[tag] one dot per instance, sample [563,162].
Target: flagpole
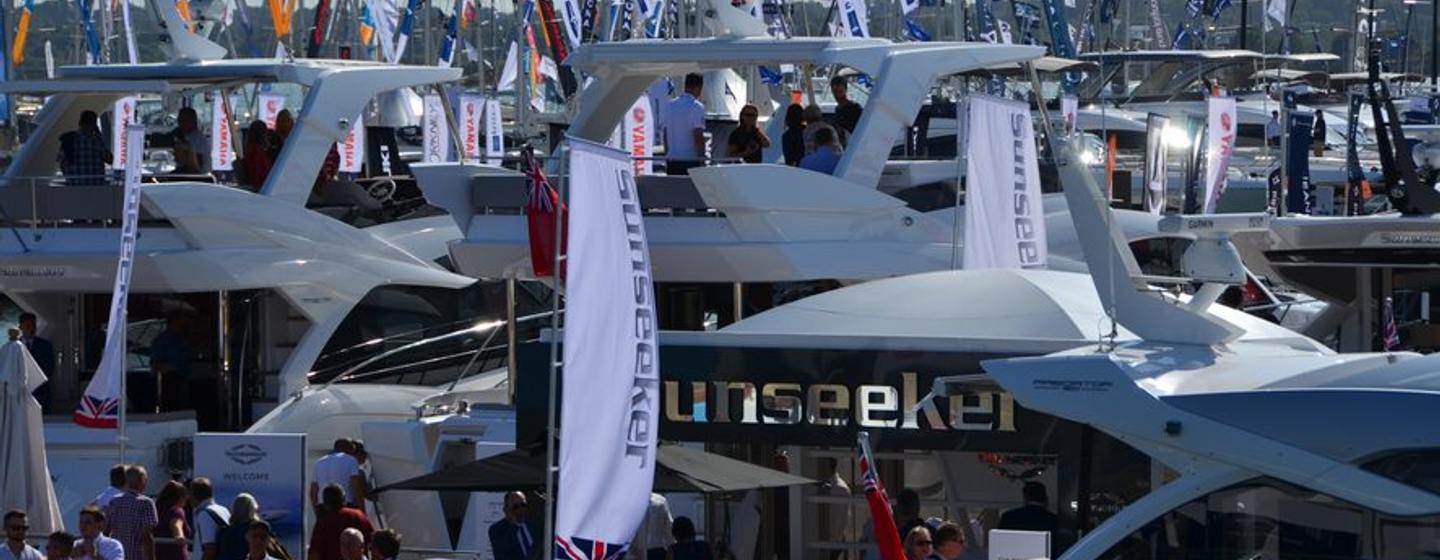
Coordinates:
[120,437]
[551,470]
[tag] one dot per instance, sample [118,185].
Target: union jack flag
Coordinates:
[585,549]
[97,413]
[540,216]
[1391,332]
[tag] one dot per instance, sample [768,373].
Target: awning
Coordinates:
[677,469]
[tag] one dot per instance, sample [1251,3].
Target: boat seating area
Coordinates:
[659,194]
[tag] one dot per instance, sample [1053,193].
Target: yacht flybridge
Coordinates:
[765,222]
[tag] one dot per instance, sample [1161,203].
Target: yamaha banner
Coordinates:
[1356,185]
[222,141]
[352,147]
[610,390]
[436,133]
[640,134]
[100,405]
[472,110]
[1297,164]
[1004,221]
[122,115]
[1219,143]
[1155,172]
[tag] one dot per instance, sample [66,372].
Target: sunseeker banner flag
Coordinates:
[1220,142]
[1155,175]
[1004,223]
[610,395]
[436,135]
[100,405]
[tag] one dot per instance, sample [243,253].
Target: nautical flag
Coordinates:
[914,32]
[1278,11]
[183,7]
[367,25]
[1357,186]
[22,32]
[1391,332]
[769,76]
[882,517]
[407,25]
[510,70]
[279,18]
[452,34]
[672,17]
[1182,38]
[540,216]
[317,31]
[384,16]
[1194,7]
[1219,6]
[100,405]
[92,37]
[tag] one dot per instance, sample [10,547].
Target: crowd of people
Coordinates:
[810,141]
[936,539]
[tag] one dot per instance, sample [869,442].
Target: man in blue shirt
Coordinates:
[825,157]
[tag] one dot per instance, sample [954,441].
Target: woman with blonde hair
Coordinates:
[230,543]
[918,545]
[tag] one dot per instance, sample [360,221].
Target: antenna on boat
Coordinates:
[183,44]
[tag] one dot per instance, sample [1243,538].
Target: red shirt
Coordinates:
[325,537]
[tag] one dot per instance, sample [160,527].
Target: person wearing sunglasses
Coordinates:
[918,545]
[747,141]
[512,538]
[15,548]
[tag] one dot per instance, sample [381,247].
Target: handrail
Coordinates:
[492,326]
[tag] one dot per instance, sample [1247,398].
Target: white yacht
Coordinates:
[874,218]
[282,299]
[1274,449]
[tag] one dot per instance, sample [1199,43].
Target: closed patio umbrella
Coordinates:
[25,478]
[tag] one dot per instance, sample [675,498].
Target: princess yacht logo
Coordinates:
[245,454]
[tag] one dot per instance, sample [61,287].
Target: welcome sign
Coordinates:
[270,467]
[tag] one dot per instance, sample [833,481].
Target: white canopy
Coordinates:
[25,479]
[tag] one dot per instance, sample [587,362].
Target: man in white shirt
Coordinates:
[116,488]
[93,545]
[1272,129]
[210,518]
[15,547]
[341,469]
[684,128]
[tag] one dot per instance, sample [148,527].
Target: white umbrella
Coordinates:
[24,478]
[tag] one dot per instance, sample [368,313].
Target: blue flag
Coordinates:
[1182,38]
[770,76]
[1219,6]
[914,32]
[92,39]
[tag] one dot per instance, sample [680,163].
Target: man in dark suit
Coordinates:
[1034,515]
[44,354]
[512,538]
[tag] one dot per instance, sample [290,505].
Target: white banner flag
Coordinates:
[570,20]
[1278,11]
[1219,143]
[855,18]
[1004,221]
[494,132]
[509,71]
[610,402]
[436,133]
[49,61]
[100,405]
[472,111]
[1070,110]
[121,117]
[270,106]
[222,142]
[1155,158]
[352,148]
[640,134]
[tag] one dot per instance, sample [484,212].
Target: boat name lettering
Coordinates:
[1405,238]
[1073,385]
[837,405]
[32,271]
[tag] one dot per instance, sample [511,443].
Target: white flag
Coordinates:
[509,71]
[121,117]
[570,20]
[639,134]
[270,106]
[494,132]
[1276,10]
[436,133]
[100,405]
[610,404]
[854,20]
[1004,220]
[472,110]
[222,142]
[1219,143]
[49,61]
[352,148]
[130,49]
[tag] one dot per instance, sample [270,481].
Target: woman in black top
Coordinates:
[793,141]
[747,141]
